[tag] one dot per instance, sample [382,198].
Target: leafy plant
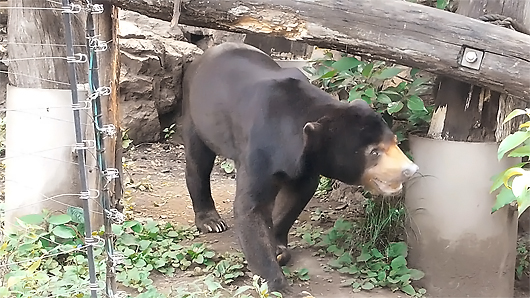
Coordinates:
[125,140]
[45,257]
[169,131]
[395,97]
[522,266]
[300,274]
[228,166]
[308,233]
[230,267]
[515,181]
[374,269]
[324,186]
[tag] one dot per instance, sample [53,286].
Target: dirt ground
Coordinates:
[160,168]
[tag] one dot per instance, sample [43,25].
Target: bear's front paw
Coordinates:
[210,222]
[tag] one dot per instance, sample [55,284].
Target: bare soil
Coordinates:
[157,171]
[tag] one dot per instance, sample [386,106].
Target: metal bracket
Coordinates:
[97,44]
[111,173]
[87,144]
[77,58]
[95,8]
[101,91]
[109,130]
[472,58]
[73,8]
[82,105]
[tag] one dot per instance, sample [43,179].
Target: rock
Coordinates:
[205,38]
[152,67]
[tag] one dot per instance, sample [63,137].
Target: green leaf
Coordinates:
[441,4]
[405,278]
[128,239]
[63,232]
[199,259]
[76,213]
[513,114]
[394,107]
[397,249]
[498,179]
[376,253]
[370,92]
[60,219]
[209,254]
[523,202]
[408,289]
[416,274]
[367,70]
[144,244]
[241,290]
[388,73]
[346,63]
[383,98]
[354,94]
[504,198]
[335,264]
[512,141]
[365,256]
[520,151]
[32,219]
[328,74]
[415,103]
[398,262]
[367,286]
[366,98]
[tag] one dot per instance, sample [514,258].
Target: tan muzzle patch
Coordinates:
[391,169]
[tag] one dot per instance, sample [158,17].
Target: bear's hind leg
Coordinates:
[290,202]
[199,164]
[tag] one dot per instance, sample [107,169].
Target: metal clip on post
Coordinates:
[111,173]
[97,44]
[87,144]
[72,8]
[95,8]
[109,130]
[116,216]
[82,105]
[77,58]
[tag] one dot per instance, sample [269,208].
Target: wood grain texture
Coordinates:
[35,35]
[393,30]
[474,113]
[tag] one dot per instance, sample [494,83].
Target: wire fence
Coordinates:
[88,147]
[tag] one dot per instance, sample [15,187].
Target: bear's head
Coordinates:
[354,145]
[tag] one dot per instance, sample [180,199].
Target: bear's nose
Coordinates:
[410,170]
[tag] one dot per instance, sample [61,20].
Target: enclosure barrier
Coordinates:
[83,145]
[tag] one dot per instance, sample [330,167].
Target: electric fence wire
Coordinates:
[85,195]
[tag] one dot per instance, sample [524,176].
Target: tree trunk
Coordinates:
[393,30]
[35,35]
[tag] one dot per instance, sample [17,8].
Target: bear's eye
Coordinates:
[375,152]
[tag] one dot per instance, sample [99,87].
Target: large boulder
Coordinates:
[153,61]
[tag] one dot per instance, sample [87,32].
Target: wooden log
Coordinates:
[393,30]
[470,113]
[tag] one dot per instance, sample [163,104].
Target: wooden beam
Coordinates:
[393,30]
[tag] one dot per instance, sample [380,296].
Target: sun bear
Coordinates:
[282,133]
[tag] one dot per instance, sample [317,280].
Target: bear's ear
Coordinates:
[312,132]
